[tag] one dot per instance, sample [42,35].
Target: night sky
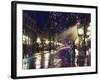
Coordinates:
[57,21]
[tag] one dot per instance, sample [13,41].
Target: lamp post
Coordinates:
[84,33]
[88,52]
[81,56]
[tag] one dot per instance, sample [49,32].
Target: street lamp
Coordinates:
[38,40]
[88,31]
[80,31]
[89,28]
[47,42]
[88,58]
[84,32]
[80,57]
